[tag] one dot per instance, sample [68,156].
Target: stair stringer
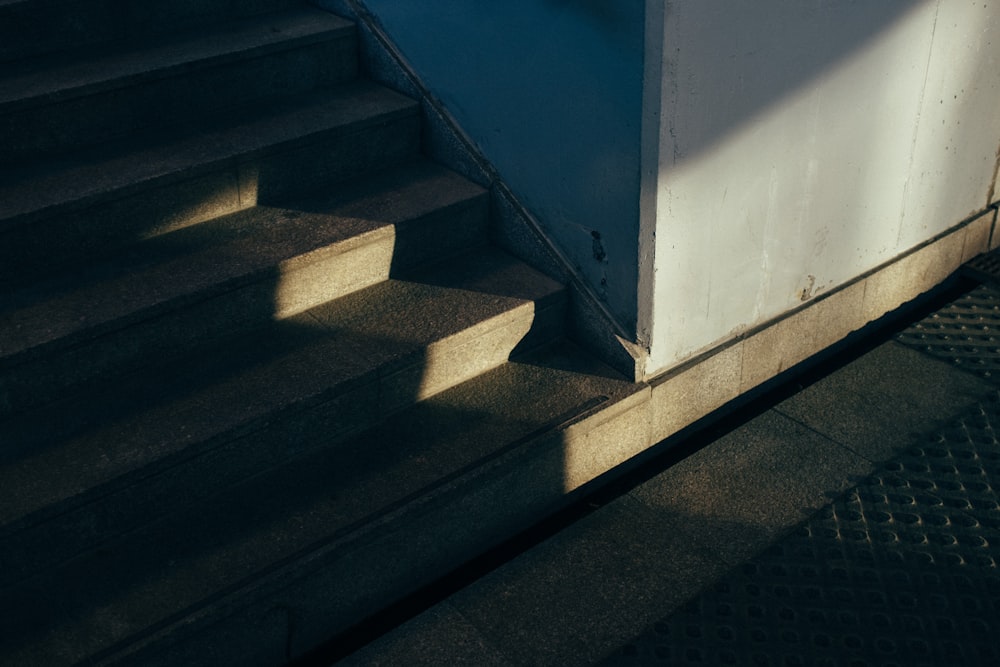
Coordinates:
[513,227]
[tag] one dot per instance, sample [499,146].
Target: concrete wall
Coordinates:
[550,92]
[801,145]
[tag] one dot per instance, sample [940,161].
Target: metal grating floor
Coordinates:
[900,572]
[985,268]
[966,333]
[890,574]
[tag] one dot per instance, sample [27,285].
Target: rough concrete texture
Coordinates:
[77,104]
[307,439]
[405,340]
[977,236]
[508,412]
[210,280]
[877,405]
[914,274]
[749,487]
[251,360]
[852,523]
[130,194]
[797,337]
[683,397]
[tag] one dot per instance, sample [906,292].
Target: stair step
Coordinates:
[105,200]
[32,28]
[109,461]
[74,103]
[272,566]
[261,373]
[214,278]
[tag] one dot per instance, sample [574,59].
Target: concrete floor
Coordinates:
[853,520]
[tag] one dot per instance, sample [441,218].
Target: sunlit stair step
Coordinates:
[56,107]
[89,208]
[77,471]
[31,28]
[212,279]
[277,564]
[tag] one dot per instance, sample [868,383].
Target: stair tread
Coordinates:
[259,347]
[343,108]
[206,259]
[68,75]
[195,559]
[36,28]
[229,388]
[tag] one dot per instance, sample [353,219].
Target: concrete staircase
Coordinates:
[261,372]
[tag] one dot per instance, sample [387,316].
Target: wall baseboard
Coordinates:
[685,394]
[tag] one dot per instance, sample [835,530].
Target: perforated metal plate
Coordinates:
[985,268]
[901,571]
[966,333]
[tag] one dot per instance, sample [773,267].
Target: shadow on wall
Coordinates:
[727,65]
[820,141]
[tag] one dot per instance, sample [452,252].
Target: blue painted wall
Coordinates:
[551,92]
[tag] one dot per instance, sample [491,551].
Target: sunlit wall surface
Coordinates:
[802,144]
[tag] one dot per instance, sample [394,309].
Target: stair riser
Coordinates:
[105,223]
[375,566]
[450,362]
[66,528]
[71,527]
[44,374]
[31,28]
[456,228]
[32,132]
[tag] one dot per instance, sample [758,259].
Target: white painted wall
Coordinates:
[801,144]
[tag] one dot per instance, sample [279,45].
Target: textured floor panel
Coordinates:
[903,571]
[985,268]
[965,333]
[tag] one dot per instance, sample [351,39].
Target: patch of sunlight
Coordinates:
[306,282]
[603,440]
[473,351]
[582,462]
[203,199]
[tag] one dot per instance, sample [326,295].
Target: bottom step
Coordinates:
[267,570]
